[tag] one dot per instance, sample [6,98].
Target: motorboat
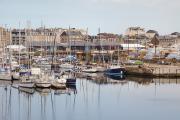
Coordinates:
[90,69]
[115,70]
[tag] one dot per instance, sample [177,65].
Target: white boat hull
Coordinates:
[100,69]
[43,84]
[27,85]
[90,70]
[58,85]
[5,76]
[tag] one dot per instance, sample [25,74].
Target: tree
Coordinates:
[155,42]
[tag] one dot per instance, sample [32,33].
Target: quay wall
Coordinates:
[164,71]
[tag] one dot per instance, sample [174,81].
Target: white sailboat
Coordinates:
[43,81]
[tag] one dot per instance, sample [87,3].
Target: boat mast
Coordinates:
[19,43]
[42,33]
[69,43]
[54,42]
[30,44]
[118,54]
[99,43]
[3,48]
[101,47]
[10,59]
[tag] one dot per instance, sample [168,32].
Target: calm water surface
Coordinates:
[106,99]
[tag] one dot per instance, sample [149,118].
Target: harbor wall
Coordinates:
[164,71]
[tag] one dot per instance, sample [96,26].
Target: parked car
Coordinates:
[163,63]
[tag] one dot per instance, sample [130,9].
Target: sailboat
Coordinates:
[70,75]
[43,81]
[115,69]
[27,86]
[71,78]
[68,66]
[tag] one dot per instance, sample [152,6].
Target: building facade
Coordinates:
[135,31]
[4,37]
[151,33]
[18,36]
[167,40]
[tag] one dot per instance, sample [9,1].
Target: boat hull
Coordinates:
[70,81]
[7,77]
[27,90]
[115,72]
[27,85]
[58,85]
[43,85]
[91,70]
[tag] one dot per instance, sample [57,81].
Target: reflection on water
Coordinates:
[97,98]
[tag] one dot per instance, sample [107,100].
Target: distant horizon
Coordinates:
[111,16]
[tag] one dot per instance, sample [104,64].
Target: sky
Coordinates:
[113,16]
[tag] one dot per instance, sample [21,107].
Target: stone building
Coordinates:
[135,35]
[151,33]
[135,31]
[73,35]
[167,40]
[18,36]
[4,37]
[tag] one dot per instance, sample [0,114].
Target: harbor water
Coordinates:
[95,99]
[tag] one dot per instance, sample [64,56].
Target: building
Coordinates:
[40,35]
[135,35]
[167,40]
[108,37]
[4,38]
[177,34]
[73,35]
[151,33]
[135,31]
[18,36]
